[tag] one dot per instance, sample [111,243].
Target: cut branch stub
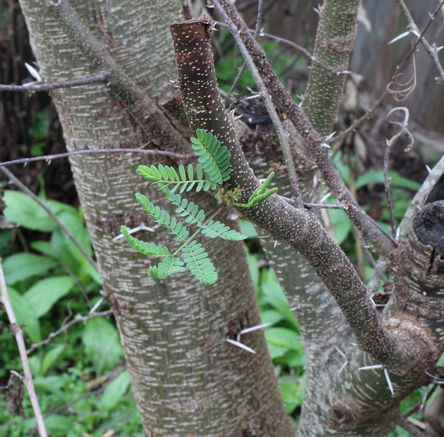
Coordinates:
[429,226]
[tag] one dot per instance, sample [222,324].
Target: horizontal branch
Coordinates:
[297,227]
[93,152]
[36,87]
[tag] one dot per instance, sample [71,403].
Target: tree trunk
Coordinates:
[186,379]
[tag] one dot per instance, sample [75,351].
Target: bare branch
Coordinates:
[93,152]
[64,328]
[409,427]
[16,330]
[359,121]
[382,242]
[244,65]
[283,138]
[431,50]
[68,233]
[36,87]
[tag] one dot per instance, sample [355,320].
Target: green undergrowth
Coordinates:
[80,378]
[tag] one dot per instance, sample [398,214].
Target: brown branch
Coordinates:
[93,152]
[380,240]
[398,69]
[297,227]
[64,328]
[282,135]
[16,330]
[36,87]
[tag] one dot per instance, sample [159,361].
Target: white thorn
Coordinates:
[325,146]
[342,367]
[428,168]
[98,303]
[389,383]
[254,96]
[34,73]
[239,344]
[237,117]
[325,198]
[343,72]
[340,353]
[254,328]
[398,37]
[329,137]
[376,366]
[142,227]
[275,243]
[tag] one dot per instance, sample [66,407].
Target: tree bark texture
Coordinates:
[335,39]
[354,410]
[186,379]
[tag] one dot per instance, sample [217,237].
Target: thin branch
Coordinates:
[244,65]
[420,198]
[64,328]
[16,330]
[409,427]
[432,51]
[283,138]
[420,405]
[93,152]
[315,144]
[359,121]
[68,233]
[36,87]
[281,40]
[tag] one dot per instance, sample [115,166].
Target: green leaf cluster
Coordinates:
[212,171]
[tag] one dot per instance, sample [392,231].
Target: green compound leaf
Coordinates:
[160,216]
[143,247]
[184,208]
[167,267]
[185,179]
[214,158]
[217,229]
[199,263]
[193,214]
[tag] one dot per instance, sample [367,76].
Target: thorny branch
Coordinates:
[36,87]
[282,135]
[16,330]
[315,144]
[399,68]
[431,50]
[297,227]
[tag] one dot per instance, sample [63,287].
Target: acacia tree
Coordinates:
[186,378]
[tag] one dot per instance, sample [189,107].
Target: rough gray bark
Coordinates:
[186,379]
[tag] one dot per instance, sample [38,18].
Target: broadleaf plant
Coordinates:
[212,172]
